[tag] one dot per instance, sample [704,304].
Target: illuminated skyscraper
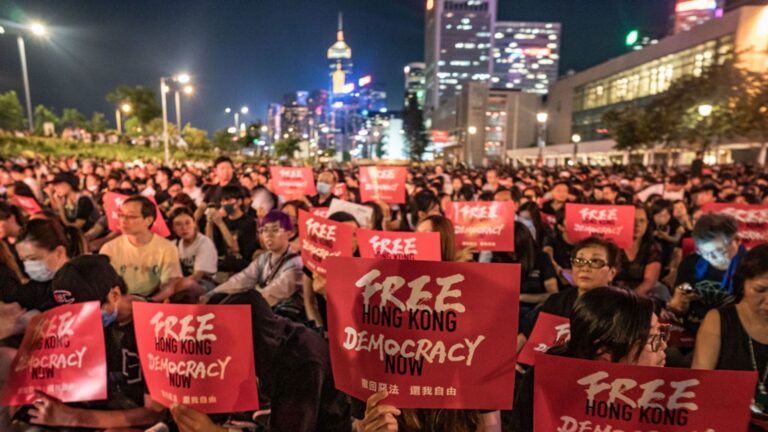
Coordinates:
[339,60]
[414,82]
[458,41]
[525,55]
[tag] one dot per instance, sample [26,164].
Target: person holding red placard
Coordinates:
[92,278]
[735,337]
[607,324]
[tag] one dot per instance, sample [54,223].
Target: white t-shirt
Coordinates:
[201,255]
[144,268]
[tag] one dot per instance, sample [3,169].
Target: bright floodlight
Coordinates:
[126,108]
[232,130]
[576,138]
[705,110]
[2,29]
[183,78]
[227,110]
[472,130]
[264,128]
[38,29]
[188,89]
[542,117]
[244,110]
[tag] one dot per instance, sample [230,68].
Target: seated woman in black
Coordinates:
[607,324]
[641,262]
[559,247]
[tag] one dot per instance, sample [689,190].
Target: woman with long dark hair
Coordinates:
[641,262]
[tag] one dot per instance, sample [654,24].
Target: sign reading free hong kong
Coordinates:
[62,355]
[322,238]
[399,245]
[484,225]
[577,395]
[198,355]
[611,222]
[430,333]
[292,181]
[550,330]
[379,183]
[112,203]
[753,220]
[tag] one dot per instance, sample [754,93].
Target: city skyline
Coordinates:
[96,47]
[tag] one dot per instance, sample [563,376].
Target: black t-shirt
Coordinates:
[560,304]
[85,210]
[707,280]
[633,272]
[125,380]
[316,202]
[244,228]
[549,209]
[31,295]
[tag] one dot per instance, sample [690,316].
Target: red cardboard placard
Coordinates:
[399,245]
[291,181]
[322,238]
[383,183]
[611,222]
[573,394]
[29,205]
[198,355]
[319,211]
[431,333]
[62,355]
[112,203]
[550,330]
[484,225]
[753,220]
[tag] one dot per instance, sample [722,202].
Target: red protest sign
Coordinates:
[484,225]
[62,355]
[611,222]
[399,245]
[550,330]
[112,203]
[753,220]
[380,183]
[410,328]
[573,394]
[29,205]
[319,211]
[290,181]
[322,238]
[195,355]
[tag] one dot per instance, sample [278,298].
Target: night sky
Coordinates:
[252,52]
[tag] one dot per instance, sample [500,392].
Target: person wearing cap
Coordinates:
[91,278]
[149,263]
[74,209]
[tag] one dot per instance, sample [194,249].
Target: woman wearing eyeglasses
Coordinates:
[735,337]
[595,262]
[607,324]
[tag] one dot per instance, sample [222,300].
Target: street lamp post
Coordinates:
[541,118]
[124,107]
[164,89]
[37,29]
[705,110]
[576,139]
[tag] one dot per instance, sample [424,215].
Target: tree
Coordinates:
[628,127]
[142,101]
[287,147]
[195,138]
[752,110]
[72,118]
[415,132]
[44,115]
[223,140]
[252,135]
[380,147]
[133,127]
[98,122]
[11,113]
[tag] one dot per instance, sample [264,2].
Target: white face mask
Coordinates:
[38,270]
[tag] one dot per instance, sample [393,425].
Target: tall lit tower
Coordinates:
[339,60]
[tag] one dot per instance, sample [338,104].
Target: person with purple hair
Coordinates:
[276,273]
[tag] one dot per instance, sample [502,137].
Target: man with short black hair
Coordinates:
[149,263]
[224,170]
[705,279]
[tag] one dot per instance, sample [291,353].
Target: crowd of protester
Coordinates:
[234,241]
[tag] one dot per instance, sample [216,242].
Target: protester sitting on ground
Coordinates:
[444,226]
[607,324]
[735,337]
[91,278]
[558,197]
[232,231]
[12,222]
[641,262]
[224,171]
[196,251]
[595,263]
[275,274]
[559,247]
[294,372]
[73,208]
[667,233]
[705,280]
[326,181]
[148,263]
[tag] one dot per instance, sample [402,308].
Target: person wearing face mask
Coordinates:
[607,324]
[232,231]
[735,337]
[44,247]
[325,184]
[705,279]
[92,278]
